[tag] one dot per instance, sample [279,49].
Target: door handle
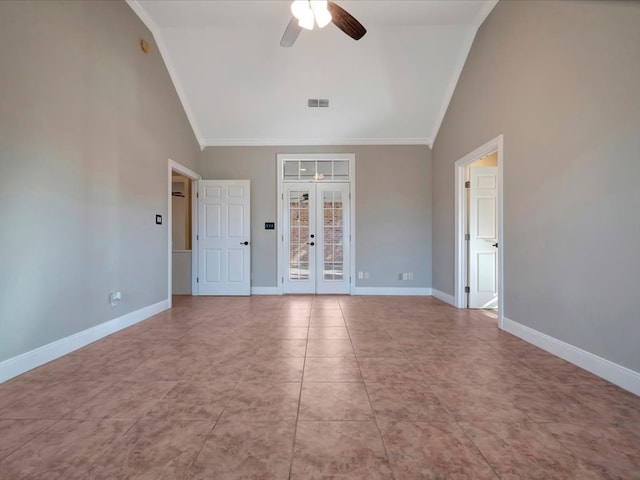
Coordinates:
[495,244]
[244,243]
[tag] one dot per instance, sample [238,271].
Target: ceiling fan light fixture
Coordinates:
[323,18]
[307,12]
[321,12]
[302,11]
[299,7]
[306,21]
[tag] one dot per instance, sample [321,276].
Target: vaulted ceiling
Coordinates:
[239,87]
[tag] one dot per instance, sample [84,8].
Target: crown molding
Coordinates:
[164,54]
[283,142]
[462,59]
[137,7]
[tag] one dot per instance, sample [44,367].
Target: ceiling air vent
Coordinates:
[318,102]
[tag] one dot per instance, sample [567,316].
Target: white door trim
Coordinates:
[495,145]
[281,157]
[194,177]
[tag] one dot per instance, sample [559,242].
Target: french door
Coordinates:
[316,236]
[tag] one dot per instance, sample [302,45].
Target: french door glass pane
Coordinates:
[298,235]
[332,215]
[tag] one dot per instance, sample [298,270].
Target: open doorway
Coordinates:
[479,245]
[181,234]
[182,227]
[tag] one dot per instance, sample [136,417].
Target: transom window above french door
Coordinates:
[322,170]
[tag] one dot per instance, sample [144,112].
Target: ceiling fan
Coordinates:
[321,12]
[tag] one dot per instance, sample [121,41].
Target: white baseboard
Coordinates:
[15,366]
[445,297]
[413,291]
[614,373]
[264,291]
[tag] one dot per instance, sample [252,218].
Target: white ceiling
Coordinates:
[239,87]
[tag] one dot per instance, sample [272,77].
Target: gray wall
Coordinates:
[393,208]
[561,81]
[87,123]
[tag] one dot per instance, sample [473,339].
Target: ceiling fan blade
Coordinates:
[291,33]
[345,21]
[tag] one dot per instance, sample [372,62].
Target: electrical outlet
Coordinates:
[404,276]
[360,275]
[115,297]
[366,275]
[410,276]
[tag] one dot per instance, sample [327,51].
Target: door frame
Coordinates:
[194,177]
[461,213]
[280,256]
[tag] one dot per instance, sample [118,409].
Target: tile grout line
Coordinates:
[368,316]
[566,447]
[107,447]
[464,432]
[366,389]
[56,421]
[215,424]
[295,425]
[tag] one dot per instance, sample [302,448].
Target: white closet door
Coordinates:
[224,251]
[483,237]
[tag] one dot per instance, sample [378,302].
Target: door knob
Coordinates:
[495,244]
[312,235]
[311,243]
[244,243]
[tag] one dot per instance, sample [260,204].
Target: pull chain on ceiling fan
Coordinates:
[322,12]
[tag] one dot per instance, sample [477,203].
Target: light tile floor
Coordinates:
[308,387]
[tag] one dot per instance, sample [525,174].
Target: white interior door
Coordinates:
[483,237]
[316,235]
[224,251]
